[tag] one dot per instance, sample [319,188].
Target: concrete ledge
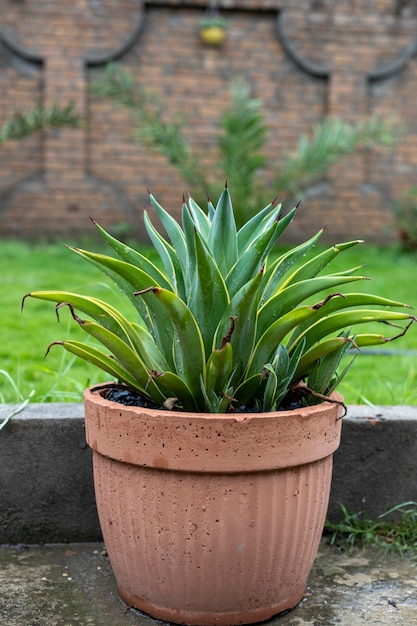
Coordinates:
[46,479]
[375,467]
[46,483]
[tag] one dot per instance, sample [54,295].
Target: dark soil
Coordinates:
[127,397]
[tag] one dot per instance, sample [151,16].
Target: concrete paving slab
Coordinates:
[73,585]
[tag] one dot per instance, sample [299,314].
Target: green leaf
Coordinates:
[103,361]
[243,311]
[133,257]
[349,301]
[159,324]
[284,368]
[208,297]
[211,209]
[124,275]
[268,343]
[339,377]
[104,313]
[349,271]
[200,219]
[222,240]
[188,346]
[177,388]
[251,388]
[318,351]
[338,321]
[134,276]
[323,371]
[319,262]
[256,226]
[371,339]
[189,230]
[133,280]
[111,319]
[129,360]
[281,361]
[167,255]
[219,369]
[295,294]
[361,299]
[270,388]
[145,345]
[173,231]
[227,401]
[252,260]
[290,379]
[275,272]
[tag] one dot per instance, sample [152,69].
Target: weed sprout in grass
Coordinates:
[23,402]
[398,533]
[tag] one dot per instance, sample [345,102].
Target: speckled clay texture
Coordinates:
[211,519]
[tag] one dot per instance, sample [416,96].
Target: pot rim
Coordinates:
[211,442]
[311,409]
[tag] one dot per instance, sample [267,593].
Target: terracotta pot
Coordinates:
[211,519]
[213,35]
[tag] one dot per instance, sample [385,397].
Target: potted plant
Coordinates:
[213,29]
[213,444]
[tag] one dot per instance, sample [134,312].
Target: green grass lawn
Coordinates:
[59,377]
[26,335]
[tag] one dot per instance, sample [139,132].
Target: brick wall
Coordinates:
[306,60]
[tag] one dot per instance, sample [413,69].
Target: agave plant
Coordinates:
[225,324]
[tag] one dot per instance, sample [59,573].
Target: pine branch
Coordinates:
[329,143]
[152,129]
[25,123]
[240,144]
[241,138]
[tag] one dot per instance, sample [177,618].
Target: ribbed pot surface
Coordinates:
[219,545]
